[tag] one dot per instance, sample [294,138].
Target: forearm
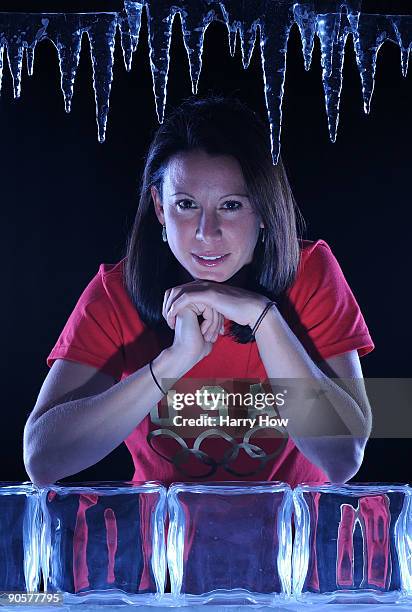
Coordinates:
[324,420]
[74,435]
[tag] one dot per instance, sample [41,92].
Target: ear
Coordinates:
[261,225]
[157,204]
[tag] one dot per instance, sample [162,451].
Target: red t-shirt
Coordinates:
[105,331]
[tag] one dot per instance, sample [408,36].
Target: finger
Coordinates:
[166,294]
[175,294]
[211,332]
[197,308]
[192,291]
[173,311]
[184,302]
[217,327]
[208,316]
[165,298]
[172,308]
[173,319]
[178,305]
[170,314]
[169,298]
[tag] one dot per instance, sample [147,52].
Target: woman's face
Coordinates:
[207,212]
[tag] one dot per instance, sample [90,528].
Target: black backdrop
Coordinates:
[67,203]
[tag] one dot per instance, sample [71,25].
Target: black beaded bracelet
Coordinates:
[154,378]
[258,322]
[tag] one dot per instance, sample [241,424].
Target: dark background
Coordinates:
[67,203]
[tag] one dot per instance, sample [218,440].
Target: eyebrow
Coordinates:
[239,195]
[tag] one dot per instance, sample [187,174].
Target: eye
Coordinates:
[181,204]
[234,205]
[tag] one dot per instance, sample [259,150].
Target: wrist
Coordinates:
[176,361]
[268,320]
[256,310]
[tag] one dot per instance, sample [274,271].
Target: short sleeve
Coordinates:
[92,334]
[328,317]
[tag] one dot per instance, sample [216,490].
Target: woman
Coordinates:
[213,256]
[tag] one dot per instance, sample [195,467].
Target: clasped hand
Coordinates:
[211,300]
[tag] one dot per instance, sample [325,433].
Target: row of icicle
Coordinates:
[245,20]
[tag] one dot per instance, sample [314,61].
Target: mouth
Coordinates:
[210,261]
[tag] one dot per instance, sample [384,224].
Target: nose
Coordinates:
[209,228]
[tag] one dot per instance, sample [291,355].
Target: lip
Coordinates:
[210,264]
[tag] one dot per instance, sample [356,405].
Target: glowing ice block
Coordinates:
[19,537]
[230,542]
[353,543]
[104,541]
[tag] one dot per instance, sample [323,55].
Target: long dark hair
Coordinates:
[219,126]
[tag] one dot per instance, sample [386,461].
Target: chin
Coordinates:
[211,275]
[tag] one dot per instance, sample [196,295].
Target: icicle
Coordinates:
[274,35]
[15,59]
[327,28]
[249,44]
[195,22]
[68,48]
[126,42]
[232,41]
[245,20]
[20,31]
[333,31]
[14,39]
[1,65]
[134,16]
[274,21]
[102,38]
[305,18]
[332,62]
[352,7]
[233,26]
[30,60]
[370,33]
[129,21]
[402,26]
[40,34]
[160,18]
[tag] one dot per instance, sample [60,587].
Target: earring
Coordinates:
[164,235]
[263,234]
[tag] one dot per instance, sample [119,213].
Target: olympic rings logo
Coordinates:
[229,457]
